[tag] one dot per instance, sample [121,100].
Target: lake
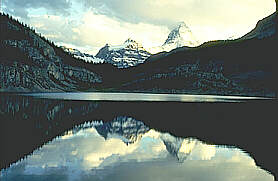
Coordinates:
[135,136]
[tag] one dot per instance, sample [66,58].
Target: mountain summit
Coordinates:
[130,53]
[80,55]
[180,36]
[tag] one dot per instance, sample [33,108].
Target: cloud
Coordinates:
[93,31]
[214,19]
[190,171]
[169,12]
[57,28]
[21,8]
[103,29]
[197,150]
[89,24]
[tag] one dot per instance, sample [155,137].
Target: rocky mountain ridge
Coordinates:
[226,67]
[129,54]
[132,53]
[179,36]
[29,62]
[264,28]
[83,56]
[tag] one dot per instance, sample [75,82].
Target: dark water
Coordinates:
[99,137]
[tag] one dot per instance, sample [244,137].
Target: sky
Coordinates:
[89,24]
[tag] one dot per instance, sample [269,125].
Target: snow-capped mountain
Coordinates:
[127,129]
[130,130]
[180,36]
[83,56]
[130,53]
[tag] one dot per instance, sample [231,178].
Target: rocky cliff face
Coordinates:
[187,78]
[83,56]
[180,36]
[243,66]
[129,54]
[29,62]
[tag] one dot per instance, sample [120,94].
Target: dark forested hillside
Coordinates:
[245,66]
[30,62]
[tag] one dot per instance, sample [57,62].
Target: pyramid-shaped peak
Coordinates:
[181,24]
[180,27]
[180,35]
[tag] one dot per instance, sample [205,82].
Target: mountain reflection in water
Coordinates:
[89,139]
[126,149]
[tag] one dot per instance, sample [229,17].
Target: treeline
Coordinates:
[17,30]
[20,31]
[14,30]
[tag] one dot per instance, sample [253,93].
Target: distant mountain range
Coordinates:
[132,53]
[243,66]
[130,130]
[128,54]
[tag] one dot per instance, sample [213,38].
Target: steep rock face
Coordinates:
[83,56]
[130,53]
[180,36]
[31,63]
[226,67]
[186,78]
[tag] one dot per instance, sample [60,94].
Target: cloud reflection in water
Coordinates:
[84,154]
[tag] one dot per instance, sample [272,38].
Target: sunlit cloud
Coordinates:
[212,19]
[107,149]
[97,30]
[23,8]
[90,24]
[240,157]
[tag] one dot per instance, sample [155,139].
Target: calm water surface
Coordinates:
[73,136]
[99,96]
